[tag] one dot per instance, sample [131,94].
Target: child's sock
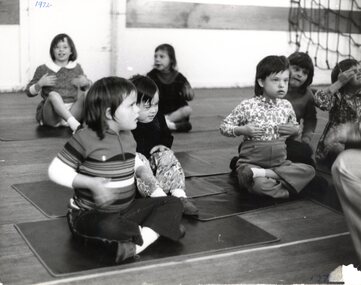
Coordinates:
[158,193]
[179,193]
[258,172]
[149,236]
[73,123]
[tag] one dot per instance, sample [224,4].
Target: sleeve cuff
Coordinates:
[32,90]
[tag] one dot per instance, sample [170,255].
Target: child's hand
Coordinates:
[158,148]
[253,131]
[288,129]
[80,81]
[103,196]
[47,80]
[347,75]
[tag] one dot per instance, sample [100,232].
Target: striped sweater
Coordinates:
[113,157]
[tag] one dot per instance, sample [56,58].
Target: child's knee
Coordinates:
[54,96]
[186,111]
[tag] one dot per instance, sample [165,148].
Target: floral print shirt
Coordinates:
[343,108]
[260,112]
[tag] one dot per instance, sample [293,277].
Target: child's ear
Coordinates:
[108,114]
[260,82]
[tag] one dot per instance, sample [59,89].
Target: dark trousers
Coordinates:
[299,152]
[163,215]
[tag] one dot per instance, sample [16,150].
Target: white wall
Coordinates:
[208,58]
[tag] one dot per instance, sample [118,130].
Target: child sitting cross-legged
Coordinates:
[265,121]
[99,163]
[154,141]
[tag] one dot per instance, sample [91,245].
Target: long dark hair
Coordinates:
[60,38]
[268,65]
[171,53]
[108,92]
[303,60]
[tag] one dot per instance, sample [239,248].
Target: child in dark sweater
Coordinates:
[154,141]
[174,89]
[301,97]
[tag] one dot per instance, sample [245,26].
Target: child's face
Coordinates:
[62,51]
[298,76]
[126,115]
[356,79]
[148,110]
[161,60]
[275,85]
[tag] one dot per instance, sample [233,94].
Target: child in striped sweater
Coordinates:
[99,163]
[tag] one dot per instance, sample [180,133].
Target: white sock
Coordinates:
[149,236]
[258,172]
[171,125]
[73,123]
[179,193]
[158,193]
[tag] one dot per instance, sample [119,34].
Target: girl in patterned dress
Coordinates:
[265,121]
[62,85]
[174,89]
[154,142]
[343,101]
[99,163]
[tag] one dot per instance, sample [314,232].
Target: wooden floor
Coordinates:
[313,239]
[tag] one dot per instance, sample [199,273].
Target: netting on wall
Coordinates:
[329,30]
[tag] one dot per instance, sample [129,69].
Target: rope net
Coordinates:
[328,30]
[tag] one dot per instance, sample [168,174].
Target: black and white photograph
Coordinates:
[180,142]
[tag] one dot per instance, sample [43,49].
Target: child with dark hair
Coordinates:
[99,163]
[301,97]
[62,85]
[343,101]
[265,121]
[154,142]
[174,89]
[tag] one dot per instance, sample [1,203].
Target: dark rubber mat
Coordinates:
[234,202]
[52,199]
[29,130]
[52,242]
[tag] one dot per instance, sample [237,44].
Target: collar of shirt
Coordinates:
[267,101]
[54,67]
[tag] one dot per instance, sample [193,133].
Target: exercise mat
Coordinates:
[52,243]
[52,199]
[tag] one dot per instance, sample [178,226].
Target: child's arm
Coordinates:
[291,128]
[324,97]
[81,81]
[234,125]
[309,122]
[41,78]
[62,174]
[187,92]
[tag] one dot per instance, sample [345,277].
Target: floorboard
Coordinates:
[314,239]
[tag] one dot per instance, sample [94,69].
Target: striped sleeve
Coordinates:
[73,153]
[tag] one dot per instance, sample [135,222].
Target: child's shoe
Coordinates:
[245,176]
[233,163]
[125,251]
[189,208]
